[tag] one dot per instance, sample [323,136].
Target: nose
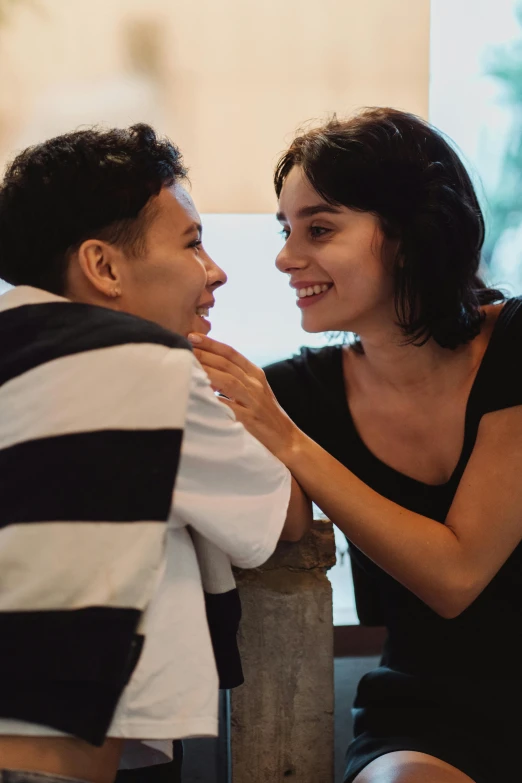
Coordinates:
[287,261]
[216,277]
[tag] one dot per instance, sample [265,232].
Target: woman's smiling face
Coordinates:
[338,247]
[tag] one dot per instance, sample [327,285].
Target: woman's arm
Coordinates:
[446,566]
[299,516]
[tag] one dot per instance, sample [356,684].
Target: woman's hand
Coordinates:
[248,394]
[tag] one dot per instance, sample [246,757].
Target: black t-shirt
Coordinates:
[485,641]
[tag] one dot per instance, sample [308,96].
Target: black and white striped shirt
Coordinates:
[95,548]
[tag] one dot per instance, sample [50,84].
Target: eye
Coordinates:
[197,243]
[316,232]
[285,233]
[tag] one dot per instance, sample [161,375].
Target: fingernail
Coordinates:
[195,338]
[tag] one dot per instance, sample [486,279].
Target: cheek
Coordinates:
[178,281]
[184,289]
[198,279]
[358,272]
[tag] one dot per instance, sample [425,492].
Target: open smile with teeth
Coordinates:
[202,311]
[313,290]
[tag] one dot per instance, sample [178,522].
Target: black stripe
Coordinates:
[35,334]
[67,669]
[106,476]
[223,617]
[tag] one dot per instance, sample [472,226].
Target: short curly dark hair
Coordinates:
[86,184]
[398,167]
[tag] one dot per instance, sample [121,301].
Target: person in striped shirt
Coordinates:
[128,489]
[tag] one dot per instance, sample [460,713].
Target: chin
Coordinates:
[317,328]
[311,330]
[198,325]
[318,325]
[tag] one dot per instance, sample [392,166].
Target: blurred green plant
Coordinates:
[505,204]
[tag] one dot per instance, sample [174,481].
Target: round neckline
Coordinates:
[501,322]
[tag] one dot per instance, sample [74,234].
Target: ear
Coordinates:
[100,263]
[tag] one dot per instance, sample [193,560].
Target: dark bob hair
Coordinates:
[91,184]
[402,170]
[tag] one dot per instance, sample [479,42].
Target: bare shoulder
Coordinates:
[491,315]
[475,350]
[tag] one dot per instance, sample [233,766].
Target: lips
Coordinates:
[299,284]
[205,305]
[201,313]
[309,301]
[203,325]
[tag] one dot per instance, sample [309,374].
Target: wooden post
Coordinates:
[282,718]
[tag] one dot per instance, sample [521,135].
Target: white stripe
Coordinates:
[25,294]
[133,386]
[63,565]
[214,565]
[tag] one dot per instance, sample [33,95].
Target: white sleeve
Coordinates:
[229,488]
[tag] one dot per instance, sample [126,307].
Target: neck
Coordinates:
[391,363]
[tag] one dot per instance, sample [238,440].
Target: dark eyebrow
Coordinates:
[193,227]
[313,209]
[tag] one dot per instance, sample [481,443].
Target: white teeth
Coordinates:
[312,290]
[202,311]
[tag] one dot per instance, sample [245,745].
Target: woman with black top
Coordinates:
[409,437]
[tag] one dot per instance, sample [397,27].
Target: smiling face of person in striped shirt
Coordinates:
[102,217]
[171,282]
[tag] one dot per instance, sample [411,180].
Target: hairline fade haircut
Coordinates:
[89,184]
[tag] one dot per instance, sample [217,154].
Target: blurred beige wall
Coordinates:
[228,80]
